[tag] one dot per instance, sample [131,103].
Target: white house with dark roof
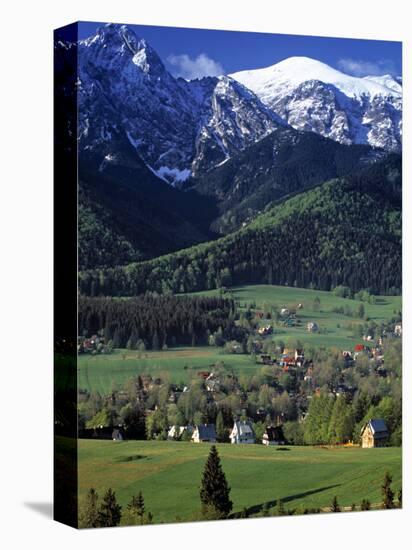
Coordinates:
[242,432]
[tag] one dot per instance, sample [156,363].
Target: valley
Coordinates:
[239,284]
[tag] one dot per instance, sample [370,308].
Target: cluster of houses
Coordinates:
[242,432]
[373,434]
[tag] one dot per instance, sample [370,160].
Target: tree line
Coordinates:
[155,322]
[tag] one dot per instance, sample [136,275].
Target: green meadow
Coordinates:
[169,474]
[102,373]
[335,327]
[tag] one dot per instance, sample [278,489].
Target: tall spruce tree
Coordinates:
[214,492]
[387,492]
[110,511]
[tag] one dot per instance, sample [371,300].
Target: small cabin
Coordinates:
[273,436]
[242,432]
[374,434]
[204,433]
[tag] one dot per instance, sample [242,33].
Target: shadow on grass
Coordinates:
[257,508]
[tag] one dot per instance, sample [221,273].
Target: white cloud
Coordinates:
[198,67]
[357,67]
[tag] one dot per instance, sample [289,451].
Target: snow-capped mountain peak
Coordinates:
[312,96]
[293,71]
[176,127]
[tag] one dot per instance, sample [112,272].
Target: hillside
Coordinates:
[127,213]
[346,231]
[302,477]
[285,162]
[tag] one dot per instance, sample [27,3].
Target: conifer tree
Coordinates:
[135,513]
[137,504]
[89,515]
[110,511]
[387,492]
[214,492]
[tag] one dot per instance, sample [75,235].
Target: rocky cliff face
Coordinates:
[177,127]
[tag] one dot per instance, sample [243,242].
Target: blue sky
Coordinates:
[194,53]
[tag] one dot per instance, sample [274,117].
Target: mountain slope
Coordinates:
[346,231]
[175,126]
[126,212]
[309,95]
[287,161]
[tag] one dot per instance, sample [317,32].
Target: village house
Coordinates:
[374,434]
[204,433]
[242,432]
[273,436]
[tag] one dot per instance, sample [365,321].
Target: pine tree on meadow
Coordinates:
[214,492]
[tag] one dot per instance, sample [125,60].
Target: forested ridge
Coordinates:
[346,231]
[126,213]
[287,161]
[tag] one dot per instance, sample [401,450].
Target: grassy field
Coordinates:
[169,474]
[104,372]
[336,331]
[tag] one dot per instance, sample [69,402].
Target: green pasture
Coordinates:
[169,474]
[335,328]
[102,373]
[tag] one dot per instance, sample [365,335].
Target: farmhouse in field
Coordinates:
[374,434]
[242,432]
[204,433]
[273,436]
